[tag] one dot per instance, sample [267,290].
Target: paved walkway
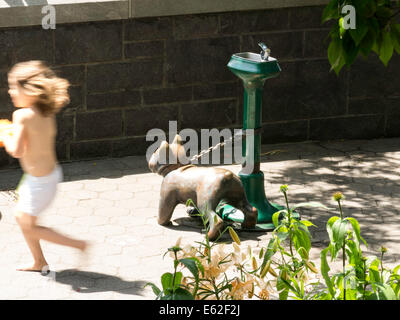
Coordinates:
[113,203]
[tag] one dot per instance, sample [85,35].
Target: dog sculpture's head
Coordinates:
[168,156]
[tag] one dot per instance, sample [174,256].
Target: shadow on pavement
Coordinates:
[195,224]
[90,282]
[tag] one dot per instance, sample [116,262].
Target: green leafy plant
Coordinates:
[283,268]
[375,30]
[294,263]
[361,278]
[213,272]
[172,286]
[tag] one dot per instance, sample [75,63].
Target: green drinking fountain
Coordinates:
[253,69]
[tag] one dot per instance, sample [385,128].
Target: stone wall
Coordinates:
[129,76]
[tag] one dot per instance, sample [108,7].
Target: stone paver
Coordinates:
[113,203]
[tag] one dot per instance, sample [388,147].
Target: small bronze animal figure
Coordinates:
[206,186]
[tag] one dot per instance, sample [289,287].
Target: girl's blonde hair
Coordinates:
[38,80]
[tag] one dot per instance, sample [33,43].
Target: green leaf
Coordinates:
[360,31]
[182,294]
[330,12]
[325,270]
[282,236]
[307,223]
[374,276]
[301,240]
[385,292]
[367,43]
[386,49]
[356,229]
[269,252]
[156,290]
[336,55]
[275,218]
[370,8]
[178,294]
[395,34]
[396,269]
[283,295]
[166,281]
[339,229]
[383,12]
[329,225]
[177,280]
[189,202]
[354,253]
[350,50]
[193,266]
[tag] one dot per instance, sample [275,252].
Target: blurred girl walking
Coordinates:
[38,94]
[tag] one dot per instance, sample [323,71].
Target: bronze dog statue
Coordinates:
[204,185]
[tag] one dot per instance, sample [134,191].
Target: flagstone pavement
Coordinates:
[113,204]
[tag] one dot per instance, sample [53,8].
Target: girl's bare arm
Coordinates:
[14,144]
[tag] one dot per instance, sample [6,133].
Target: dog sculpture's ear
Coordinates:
[177,140]
[163,153]
[164,145]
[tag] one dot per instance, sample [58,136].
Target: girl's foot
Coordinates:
[42,268]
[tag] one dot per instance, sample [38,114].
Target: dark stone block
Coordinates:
[97,125]
[359,127]
[254,21]
[144,49]
[4,158]
[130,147]
[209,115]
[194,26]
[65,127]
[6,105]
[392,105]
[285,132]
[148,28]
[307,18]
[316,43]
[76,98]
[192,61]
[374,106]
[61,152]
[113,100]
[303,90]
[393,126]
[167,95]
[140,121]
[74,74]
[26,45]
[370,78]
[91,149]
[7,49]
[286,45]
[19,45]
[216,90]
[108,77]
[90,42]
[3,80]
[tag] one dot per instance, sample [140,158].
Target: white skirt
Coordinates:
[36,193]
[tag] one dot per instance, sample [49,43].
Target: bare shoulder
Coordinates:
[22,115]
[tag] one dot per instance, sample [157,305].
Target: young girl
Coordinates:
[38,94]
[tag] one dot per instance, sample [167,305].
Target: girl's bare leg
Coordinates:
[34,233]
